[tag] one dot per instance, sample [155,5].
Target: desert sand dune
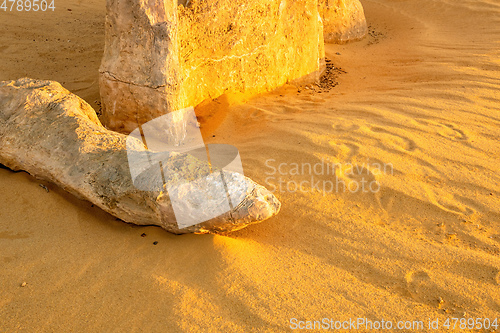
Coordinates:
[420,94]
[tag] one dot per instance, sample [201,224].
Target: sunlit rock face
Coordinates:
[56,136]
[343,20]
[162,56]
[248,47]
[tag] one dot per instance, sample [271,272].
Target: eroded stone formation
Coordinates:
[56,136]
[343,20]
[160,56]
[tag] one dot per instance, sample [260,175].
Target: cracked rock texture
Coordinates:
[140,75]
[343,20]
[162,56]
[54,135]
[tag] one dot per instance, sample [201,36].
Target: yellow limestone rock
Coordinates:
[343,20]
[162,56]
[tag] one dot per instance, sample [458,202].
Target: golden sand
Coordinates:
[421,93]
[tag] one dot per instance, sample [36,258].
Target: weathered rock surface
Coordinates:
[162,56]
[343,20]
[248,47]
[140,71]
[54,135]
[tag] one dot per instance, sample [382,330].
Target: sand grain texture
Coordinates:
[421,92]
